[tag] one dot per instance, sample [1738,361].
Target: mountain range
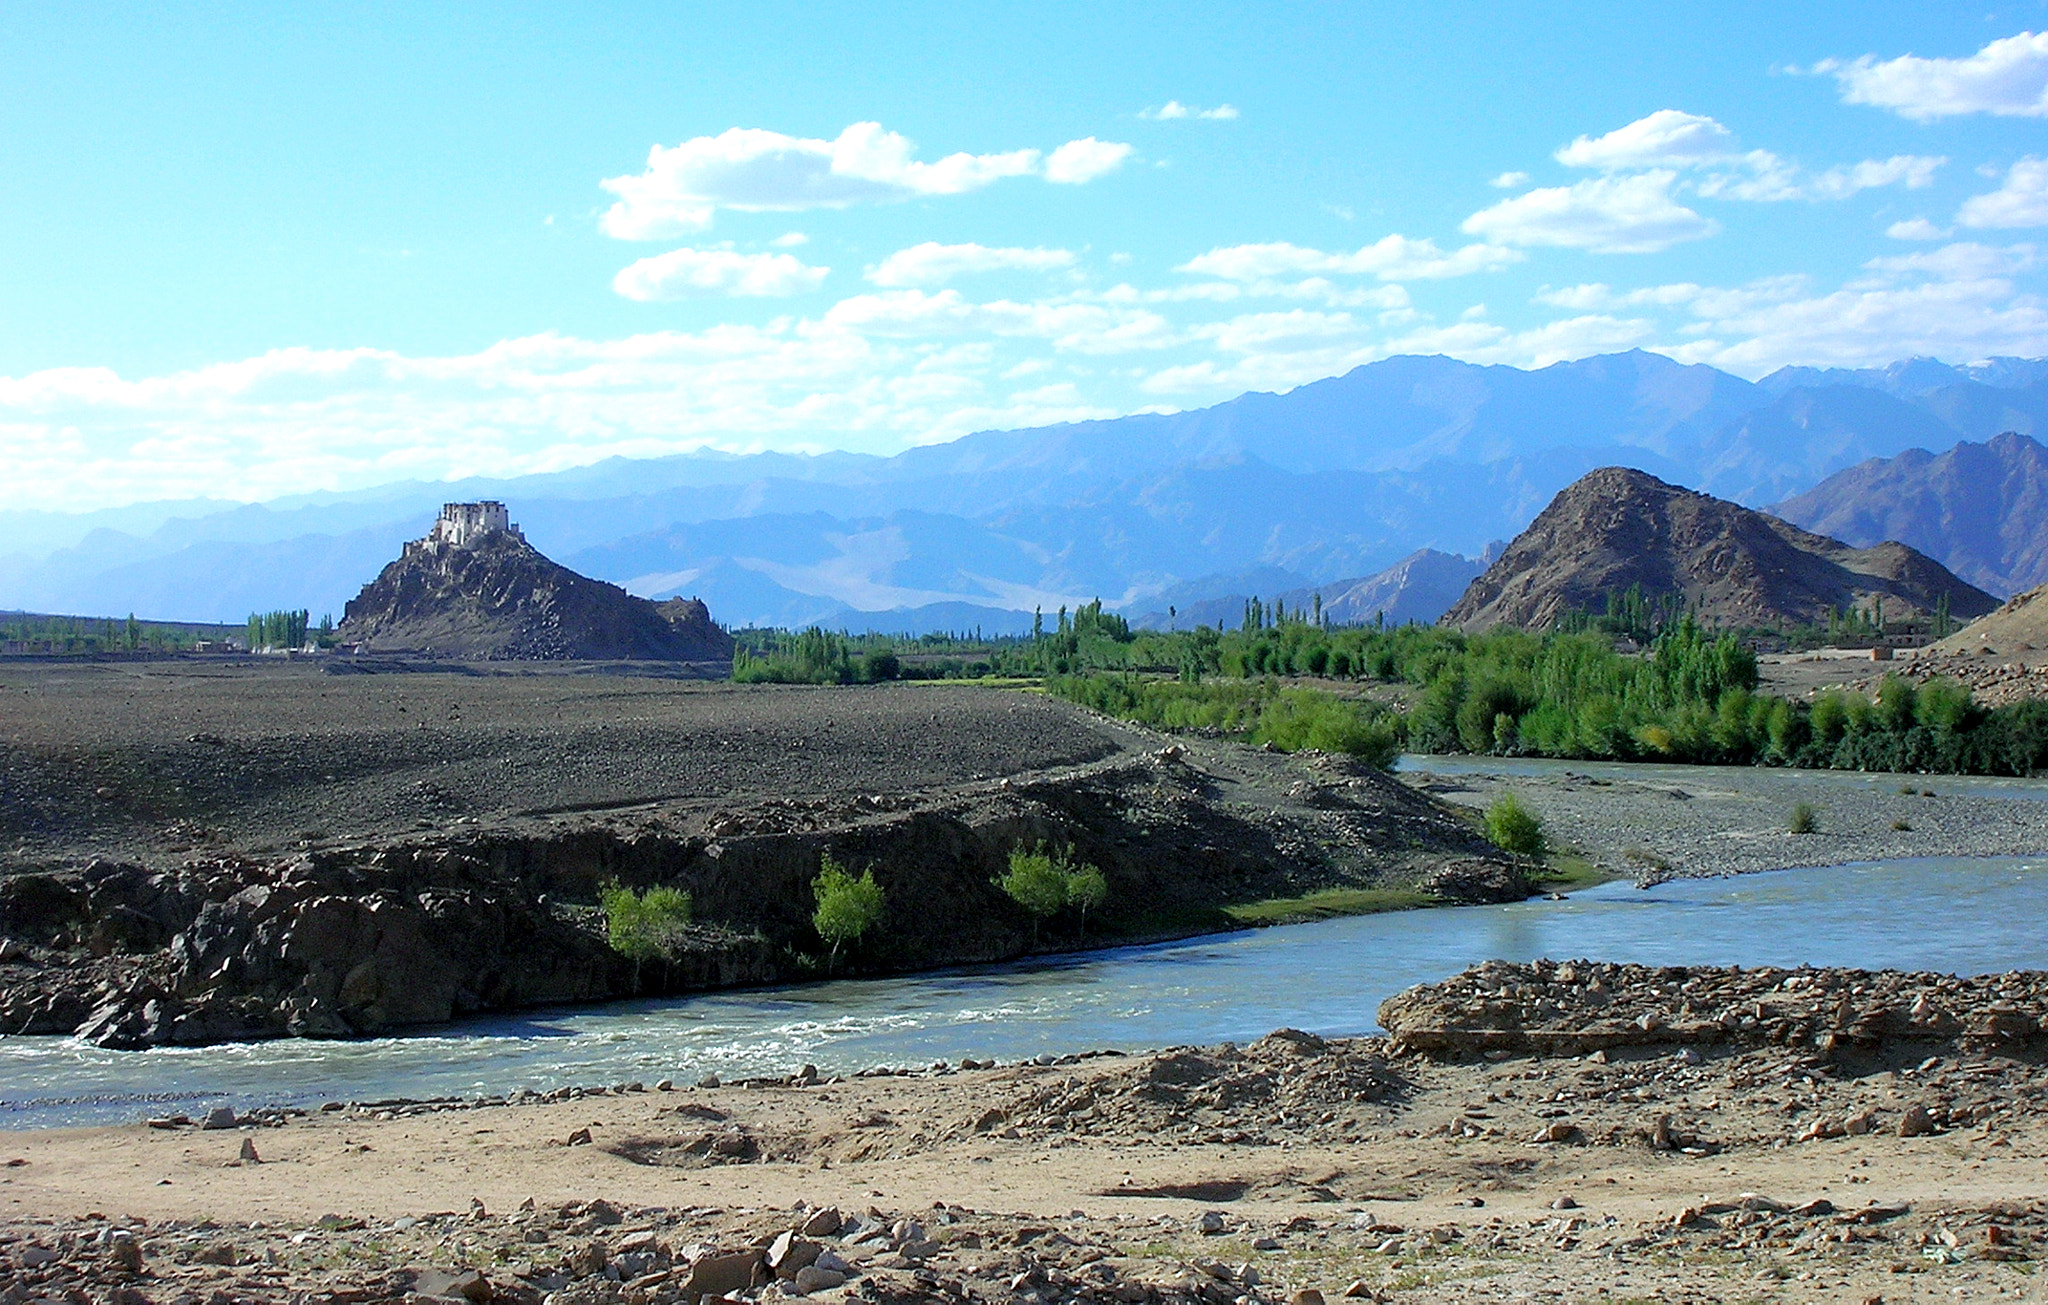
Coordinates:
[1981,508]
[1314,490]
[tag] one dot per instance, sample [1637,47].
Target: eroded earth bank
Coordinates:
[1571,1131]
[201,853]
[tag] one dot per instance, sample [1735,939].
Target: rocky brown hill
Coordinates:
[1981,509]
[1617,527]
[2019,626]
[497,598]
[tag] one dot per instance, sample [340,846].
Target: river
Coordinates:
[1962,915]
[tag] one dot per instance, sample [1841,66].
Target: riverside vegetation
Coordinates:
[1690,695]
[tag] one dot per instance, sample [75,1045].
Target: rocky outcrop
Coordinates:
[496,598]
[355,941]
[1577,1007]
[1617,528]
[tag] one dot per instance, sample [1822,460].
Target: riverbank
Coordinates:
[1692,1165]
[195,925]
[1653,822]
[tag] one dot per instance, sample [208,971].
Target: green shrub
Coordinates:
[1306,718]
[643,926]
[1805,820]
[847,907]
[1513,827]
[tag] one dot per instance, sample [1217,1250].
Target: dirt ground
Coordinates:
[1223,1174]
[150,760]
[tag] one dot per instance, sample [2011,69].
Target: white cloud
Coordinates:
[790,240]
[1666,138]
[1085,160]
[1391,258]
[1913,171]
[1964,260]
[1763,176]
[1876,324]
[2008,78]
[1509,180]
[1607,215]
[1257,332]
[1914,229]
[752,170]
[687,273]
[1673,139]
[1173,110]
[1598,296]
[932,263]
[1076,327]
[2021,202]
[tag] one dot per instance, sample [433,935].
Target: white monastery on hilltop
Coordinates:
[463,524]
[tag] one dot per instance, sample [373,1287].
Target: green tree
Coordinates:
[644,926]
[847,907]
[1087,888]
[1514,828]
[1036,881]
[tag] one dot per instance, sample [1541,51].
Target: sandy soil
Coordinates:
[1326,1166]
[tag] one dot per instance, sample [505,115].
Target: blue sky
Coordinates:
[256,250]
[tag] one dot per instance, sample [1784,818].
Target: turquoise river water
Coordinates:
[1962,915]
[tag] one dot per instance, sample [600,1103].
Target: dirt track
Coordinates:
[148,760]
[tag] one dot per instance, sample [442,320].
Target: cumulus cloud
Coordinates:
[1633,214]
[1391,258]
[752,170]
[2021,202]
[1964,260]
[1597,295]
[1914,229]
[1868,325]
[932,263]
[1509,180]
[1173,110]
[1085,160]
[1666,138]
[689,273]
[2008,78]
[1688,142]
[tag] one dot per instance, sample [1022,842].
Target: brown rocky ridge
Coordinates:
[1615,528]
[473,589]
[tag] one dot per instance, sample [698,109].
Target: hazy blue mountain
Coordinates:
[1981,510]
[1331,482]
[1912,377]
[1420,587]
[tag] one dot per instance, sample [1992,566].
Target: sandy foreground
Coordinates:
[1267,1172]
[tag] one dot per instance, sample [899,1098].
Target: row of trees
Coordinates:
[1691,695]
[79,635]
[287,630]
[653,924]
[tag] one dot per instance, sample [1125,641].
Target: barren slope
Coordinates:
[1615,528]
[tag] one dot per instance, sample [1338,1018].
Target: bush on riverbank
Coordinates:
[645,926]
[1259,712]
